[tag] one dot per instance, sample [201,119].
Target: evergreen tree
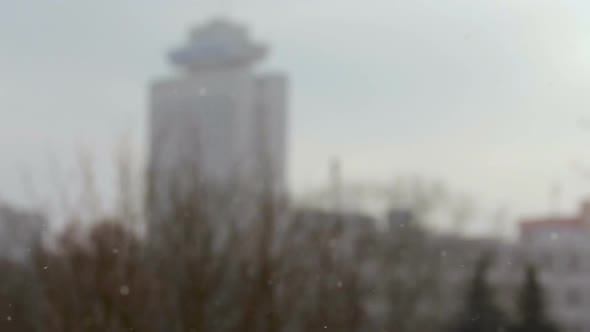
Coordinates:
[533,317]
[481,314]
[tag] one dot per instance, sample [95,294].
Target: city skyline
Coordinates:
[264,166]
[418,89]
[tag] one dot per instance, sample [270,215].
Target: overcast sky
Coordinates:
[484,95]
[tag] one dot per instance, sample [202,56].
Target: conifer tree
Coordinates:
[480,314]
[531,305]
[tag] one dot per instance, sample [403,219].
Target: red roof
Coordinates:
[551,222]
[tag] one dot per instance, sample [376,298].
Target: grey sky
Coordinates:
[484,95]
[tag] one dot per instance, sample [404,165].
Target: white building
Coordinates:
[218,121]
[560,247]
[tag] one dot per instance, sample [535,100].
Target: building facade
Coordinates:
[218,122]
[560,247]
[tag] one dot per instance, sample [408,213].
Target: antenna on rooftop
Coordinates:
[555,198]
[336,183]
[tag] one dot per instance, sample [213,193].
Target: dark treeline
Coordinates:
[482,313]
[204,268]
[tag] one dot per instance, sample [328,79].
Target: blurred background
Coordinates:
[257,165]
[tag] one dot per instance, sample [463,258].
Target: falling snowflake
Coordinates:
[124,290]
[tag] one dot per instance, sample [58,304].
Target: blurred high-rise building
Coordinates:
[218,121]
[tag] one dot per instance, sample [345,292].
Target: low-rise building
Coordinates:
[20,230]
[560,247]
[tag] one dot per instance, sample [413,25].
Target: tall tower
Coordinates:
[217,123]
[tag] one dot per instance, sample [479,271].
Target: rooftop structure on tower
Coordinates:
[217,45]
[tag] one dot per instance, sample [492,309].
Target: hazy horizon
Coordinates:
[484,96]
